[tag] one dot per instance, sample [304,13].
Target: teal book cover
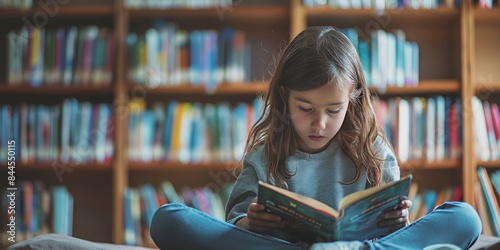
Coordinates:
[356,218]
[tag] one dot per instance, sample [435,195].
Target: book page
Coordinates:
[361,212]
[352,198]
[318,205]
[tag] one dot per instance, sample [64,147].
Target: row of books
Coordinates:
[62,56]
[487,196]
[70,132]
[140,204]
[189,132]
[166,55]
[486,129]
[422,129]
[425,200]
[38,210]
[168,4]
[383,4]
[388,59]
[16,4]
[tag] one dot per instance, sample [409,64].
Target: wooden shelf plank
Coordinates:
[257,87]
[446,164]
[487,87]
[346,17]
[423,87]
[54,89]
[62,11]
[490,164]
[50,166]
[483,16]
[178,166]
[224,88]
[248,14]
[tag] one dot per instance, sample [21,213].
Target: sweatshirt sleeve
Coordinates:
[244,191]
[391,169]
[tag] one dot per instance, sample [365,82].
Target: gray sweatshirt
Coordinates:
[316,175]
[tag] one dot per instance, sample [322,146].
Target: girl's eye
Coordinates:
[304,109]
[333,111]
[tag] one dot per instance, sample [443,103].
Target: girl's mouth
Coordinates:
[316,137]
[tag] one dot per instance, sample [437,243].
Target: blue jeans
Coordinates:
[176,226]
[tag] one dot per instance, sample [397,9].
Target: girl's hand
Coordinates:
[258,220]
[398,217]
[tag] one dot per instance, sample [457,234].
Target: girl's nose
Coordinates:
[319,123]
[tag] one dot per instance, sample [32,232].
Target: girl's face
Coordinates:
[317,115]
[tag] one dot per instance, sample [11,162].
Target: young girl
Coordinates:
[317,137]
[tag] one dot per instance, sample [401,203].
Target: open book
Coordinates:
[357,216]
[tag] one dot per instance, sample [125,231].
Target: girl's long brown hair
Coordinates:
[316,57]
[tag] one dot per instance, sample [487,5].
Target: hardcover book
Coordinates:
[356,218]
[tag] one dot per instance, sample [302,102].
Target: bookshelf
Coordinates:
[457,58]
[91,183]
[485,85]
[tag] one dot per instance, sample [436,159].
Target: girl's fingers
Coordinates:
[262,215]
[260,220]
[393,223]
[405,203]
[396,218]
[256,207]
[395,214]
[265,224]
[265,221]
